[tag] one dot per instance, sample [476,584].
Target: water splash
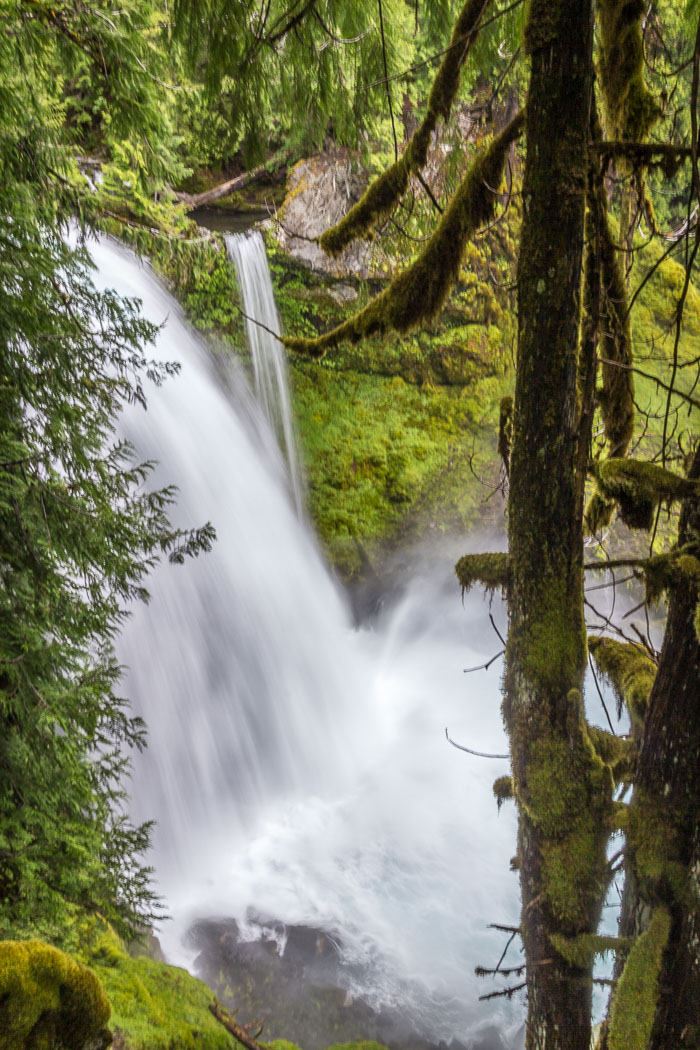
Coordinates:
[247,252]
[297,766]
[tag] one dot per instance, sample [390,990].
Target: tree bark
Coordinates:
[563,790]
[663,854]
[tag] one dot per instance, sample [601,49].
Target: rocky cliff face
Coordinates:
[320,190]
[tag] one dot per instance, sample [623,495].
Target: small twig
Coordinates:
[500,636]
[595,679]
[484,667]
[259,323]
[507,992]
[502,928]
[479,754]
[482,971]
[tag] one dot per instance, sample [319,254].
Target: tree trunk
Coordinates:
[663,861]
[562,788]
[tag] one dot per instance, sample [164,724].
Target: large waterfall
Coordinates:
[296,765]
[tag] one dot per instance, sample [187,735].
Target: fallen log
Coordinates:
[201,200]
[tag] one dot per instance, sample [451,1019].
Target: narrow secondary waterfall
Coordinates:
[296,766]
[247,251]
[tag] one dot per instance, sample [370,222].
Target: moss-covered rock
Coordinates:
[154,1006]
[49,1001]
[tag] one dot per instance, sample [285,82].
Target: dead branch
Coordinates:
[507,992]
[479,754]
[238,1031]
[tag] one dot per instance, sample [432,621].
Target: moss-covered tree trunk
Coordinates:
[562,788]
[656,1001]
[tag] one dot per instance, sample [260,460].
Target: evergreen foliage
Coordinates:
[79,529]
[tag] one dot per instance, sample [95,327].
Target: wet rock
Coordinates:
[293,978]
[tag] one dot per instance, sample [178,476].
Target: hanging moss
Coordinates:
[505,431]
[490,570]
[618,752]
[616,394]
[48,1000]
[503,790]
[384,192]
[630,107]
[418,293]
[598,513]
[638,487]
[634,1004]
[581,951]
[629,670]
[666,571]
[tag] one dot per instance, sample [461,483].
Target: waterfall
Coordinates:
[296,765]
[247,252]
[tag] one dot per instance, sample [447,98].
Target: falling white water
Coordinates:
[297,766]
[247,251]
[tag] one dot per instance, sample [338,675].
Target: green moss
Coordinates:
[48,1000]
[634,1004]
[385,191]
[490,570]
[653,840]
[555,647]
[665,571]
[154,1006]
[630,107]
[503,790]
[574,872]
[638,487]
[617,752]
[629,670]
[581,951]
[384,457]
[417,294]
[554,791]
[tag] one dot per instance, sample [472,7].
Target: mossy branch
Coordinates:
[629,671]
[634,1003]
[581,951]
[618,752]
[665,571]
[492,571]
[418,293]
[630,107]
[383,193]
[664,155]
[638,487]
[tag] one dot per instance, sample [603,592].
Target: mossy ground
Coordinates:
[154,1006]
